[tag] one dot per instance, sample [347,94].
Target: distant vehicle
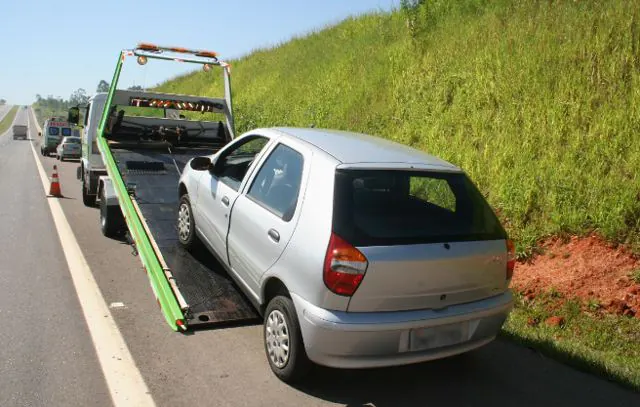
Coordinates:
[54,130]
[20,131]
[68,148]
[361,252]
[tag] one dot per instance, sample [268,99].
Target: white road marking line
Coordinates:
[124,380]
[117,305]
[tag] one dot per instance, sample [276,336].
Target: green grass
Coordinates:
[8,119]
[538,101]
[635,275]
[589,340]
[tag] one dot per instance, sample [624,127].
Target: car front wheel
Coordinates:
[283,341]
[186,224]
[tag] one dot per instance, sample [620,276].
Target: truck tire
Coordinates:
[280,327]
[87,199]
[186,225]
[111,219]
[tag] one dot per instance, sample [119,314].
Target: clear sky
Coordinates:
[53,47]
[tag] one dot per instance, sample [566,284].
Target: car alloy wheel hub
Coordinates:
[277,338]
[184,224]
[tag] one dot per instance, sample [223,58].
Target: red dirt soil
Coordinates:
[588,268]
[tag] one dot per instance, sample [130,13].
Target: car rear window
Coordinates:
[72,140]
[390,207]
[66,131]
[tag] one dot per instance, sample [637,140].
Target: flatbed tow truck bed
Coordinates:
[209,295]
[144,155]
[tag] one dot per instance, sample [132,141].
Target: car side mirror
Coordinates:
[201,164]
[74,115]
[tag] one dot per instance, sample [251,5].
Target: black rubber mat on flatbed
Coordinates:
[211,294]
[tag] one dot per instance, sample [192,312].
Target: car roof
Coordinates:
[357,148]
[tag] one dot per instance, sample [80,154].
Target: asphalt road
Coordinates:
[221,367]
[46,355]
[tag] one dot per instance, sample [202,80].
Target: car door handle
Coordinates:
[274,235]
[225,201]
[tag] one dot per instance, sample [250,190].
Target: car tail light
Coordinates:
[511,258]
[344,266]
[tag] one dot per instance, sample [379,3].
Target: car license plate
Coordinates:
[439,336]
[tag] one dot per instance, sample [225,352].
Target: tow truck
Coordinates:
[143,156]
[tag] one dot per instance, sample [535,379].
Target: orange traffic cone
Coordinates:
[55,190]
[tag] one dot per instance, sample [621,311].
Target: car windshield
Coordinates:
[388,207]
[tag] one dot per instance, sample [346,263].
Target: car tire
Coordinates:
[186,225]
[87,199]
[281,325]
[111,219]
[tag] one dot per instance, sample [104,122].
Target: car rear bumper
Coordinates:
[377,339]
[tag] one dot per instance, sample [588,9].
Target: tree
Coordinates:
[135,87]
[3,102]
[103,86]
[79,97]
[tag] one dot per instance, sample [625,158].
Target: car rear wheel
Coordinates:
[186,224]
[283,343]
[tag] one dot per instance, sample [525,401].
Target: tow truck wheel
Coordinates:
[111,219]
[283,341]
[87,199]
[186,224]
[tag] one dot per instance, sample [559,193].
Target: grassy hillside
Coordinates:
[538,100]
[7,120]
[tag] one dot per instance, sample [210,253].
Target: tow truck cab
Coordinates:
[91,164]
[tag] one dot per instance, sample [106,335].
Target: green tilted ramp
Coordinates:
[157,278]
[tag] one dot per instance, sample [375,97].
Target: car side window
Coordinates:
[234,163]
[277,184]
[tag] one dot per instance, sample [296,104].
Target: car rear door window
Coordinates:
[66,131]
[389,207]
[277,183]
[54,131]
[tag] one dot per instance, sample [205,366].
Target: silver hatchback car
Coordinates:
[358,251]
